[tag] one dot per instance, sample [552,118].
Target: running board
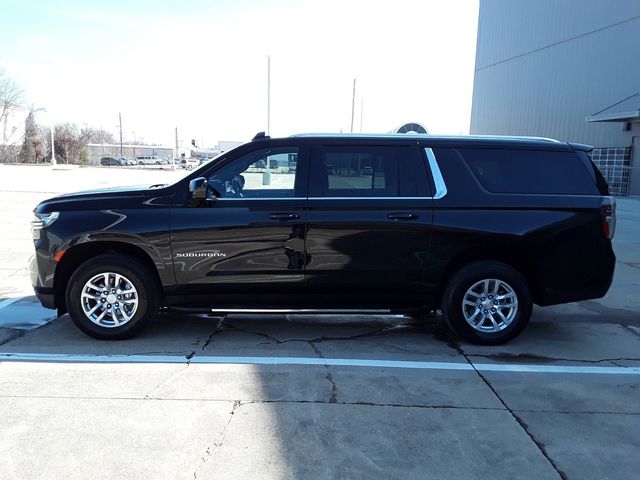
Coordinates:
[300,311]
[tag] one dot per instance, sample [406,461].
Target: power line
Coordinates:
[558,43]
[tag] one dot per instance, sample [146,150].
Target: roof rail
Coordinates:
[260,136]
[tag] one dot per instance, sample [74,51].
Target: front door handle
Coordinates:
[284,216]
[402,216]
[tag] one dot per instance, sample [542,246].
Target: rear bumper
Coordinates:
[588,291]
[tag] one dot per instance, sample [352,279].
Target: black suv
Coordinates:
[479,227]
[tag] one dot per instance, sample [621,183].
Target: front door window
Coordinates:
[267,173]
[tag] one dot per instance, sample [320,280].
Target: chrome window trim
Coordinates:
[370,198]
[438,180]
[322,198]
[222,199]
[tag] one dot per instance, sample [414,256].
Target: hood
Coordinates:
[133,189]
[102,197]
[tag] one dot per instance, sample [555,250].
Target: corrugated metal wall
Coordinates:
[550,92]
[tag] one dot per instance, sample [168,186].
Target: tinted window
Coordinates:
[366,171]
[264,173]
[530,171]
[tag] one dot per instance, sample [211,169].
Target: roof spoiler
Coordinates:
[581,146]
[260,136]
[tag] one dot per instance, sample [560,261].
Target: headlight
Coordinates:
[42,220]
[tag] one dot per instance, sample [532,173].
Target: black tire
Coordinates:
[141,277]
[468,276]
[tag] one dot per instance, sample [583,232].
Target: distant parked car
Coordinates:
[189,163]
[151,160]
[114,162]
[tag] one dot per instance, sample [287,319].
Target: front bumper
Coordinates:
[46,296]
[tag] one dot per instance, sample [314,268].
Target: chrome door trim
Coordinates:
[438,180]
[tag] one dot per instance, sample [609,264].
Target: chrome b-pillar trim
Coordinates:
[438,180]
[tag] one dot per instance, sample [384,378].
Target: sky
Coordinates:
[201,65]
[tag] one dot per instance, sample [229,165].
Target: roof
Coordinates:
[469,139]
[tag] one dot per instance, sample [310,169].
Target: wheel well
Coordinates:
[79,254]
[517,259]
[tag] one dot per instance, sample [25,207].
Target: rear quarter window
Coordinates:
[530,171]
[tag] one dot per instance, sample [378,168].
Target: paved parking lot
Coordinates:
[312,397]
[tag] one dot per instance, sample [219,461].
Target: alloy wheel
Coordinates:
[490,305]
[109,299]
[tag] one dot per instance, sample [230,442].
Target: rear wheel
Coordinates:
[487,303]
[112,297]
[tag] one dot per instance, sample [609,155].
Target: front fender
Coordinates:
[143,231]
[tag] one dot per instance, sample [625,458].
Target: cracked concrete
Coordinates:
[217,331]
[212,448]
[334,388]
[524,426]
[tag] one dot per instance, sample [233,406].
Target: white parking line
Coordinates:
[349,362]
[8,301]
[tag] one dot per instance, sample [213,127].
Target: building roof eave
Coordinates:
[624,117]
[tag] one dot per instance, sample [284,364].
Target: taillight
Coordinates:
[608,214]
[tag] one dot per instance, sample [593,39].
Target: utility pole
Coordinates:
[177,154]
[120,120]
[353,103]
[266,176]
[268,95]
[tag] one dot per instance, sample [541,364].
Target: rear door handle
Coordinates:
[284,216]
[402,216]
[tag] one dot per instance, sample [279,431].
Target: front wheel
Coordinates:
[112,297]
[487,303]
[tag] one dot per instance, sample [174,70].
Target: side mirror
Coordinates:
[198,192]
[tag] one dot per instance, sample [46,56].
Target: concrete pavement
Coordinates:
[284,421]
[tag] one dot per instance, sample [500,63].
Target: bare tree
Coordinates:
[94,135]
[11,101]
[67,138]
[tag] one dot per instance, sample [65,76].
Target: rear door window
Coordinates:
[367,171]
[530,171]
